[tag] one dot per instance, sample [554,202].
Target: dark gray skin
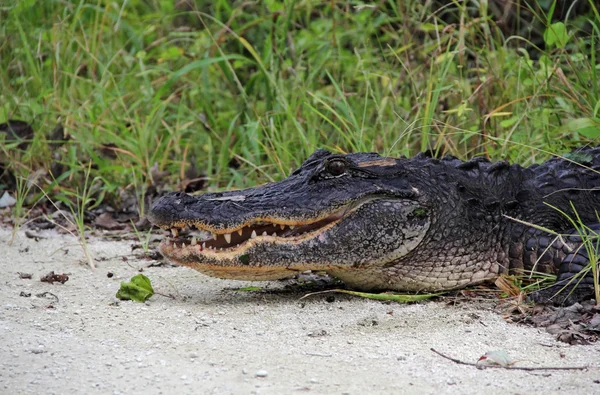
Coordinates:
[379,223]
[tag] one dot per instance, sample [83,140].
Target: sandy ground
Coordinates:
[214,339]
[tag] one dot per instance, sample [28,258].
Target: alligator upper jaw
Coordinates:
[204,239]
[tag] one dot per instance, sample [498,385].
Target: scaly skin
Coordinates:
[380,223]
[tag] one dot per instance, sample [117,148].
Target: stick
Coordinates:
[458,361]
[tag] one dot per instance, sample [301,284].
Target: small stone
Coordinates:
[194,354]
[318,333]
[6,200]
[262,373]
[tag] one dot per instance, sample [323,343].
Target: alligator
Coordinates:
[399,224]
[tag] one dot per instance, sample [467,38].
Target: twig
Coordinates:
[312,354]
[165,295]
[458,361]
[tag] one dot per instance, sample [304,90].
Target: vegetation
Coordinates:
[144,94]
[244,92]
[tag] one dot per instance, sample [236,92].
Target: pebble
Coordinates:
[262,373]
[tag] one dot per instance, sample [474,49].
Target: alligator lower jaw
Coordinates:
[231,243]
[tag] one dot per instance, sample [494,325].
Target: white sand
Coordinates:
[211,339]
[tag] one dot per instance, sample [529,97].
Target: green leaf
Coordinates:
[579,157]
[429,27]
[400,298]
[138,288]
[249,289]
[172,52]
[510,121]
[587,127]
[590,132]
[556,35]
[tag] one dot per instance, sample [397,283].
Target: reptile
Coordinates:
[399,224]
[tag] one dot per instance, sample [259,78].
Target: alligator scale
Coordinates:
[379,223]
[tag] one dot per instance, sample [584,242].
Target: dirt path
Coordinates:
[212,339]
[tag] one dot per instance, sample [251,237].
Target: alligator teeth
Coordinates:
[204,245]
[182,244]
[240,232]
[174,246]
[175,232]
[253,235]
[194,241]
[292,226]
[282,226]
[214,236]
[274,234]
[227,238]
[265,233]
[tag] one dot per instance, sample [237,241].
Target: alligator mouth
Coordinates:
[204,239]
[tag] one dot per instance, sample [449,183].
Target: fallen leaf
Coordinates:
[139,288]
[54,277]
[496,357]
[106,221]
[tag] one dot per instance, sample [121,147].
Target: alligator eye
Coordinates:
[336,167]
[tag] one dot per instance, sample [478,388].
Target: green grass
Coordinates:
[146,84]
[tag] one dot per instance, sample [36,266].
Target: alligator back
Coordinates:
[491,216]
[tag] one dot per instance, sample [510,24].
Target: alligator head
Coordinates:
[338,213]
